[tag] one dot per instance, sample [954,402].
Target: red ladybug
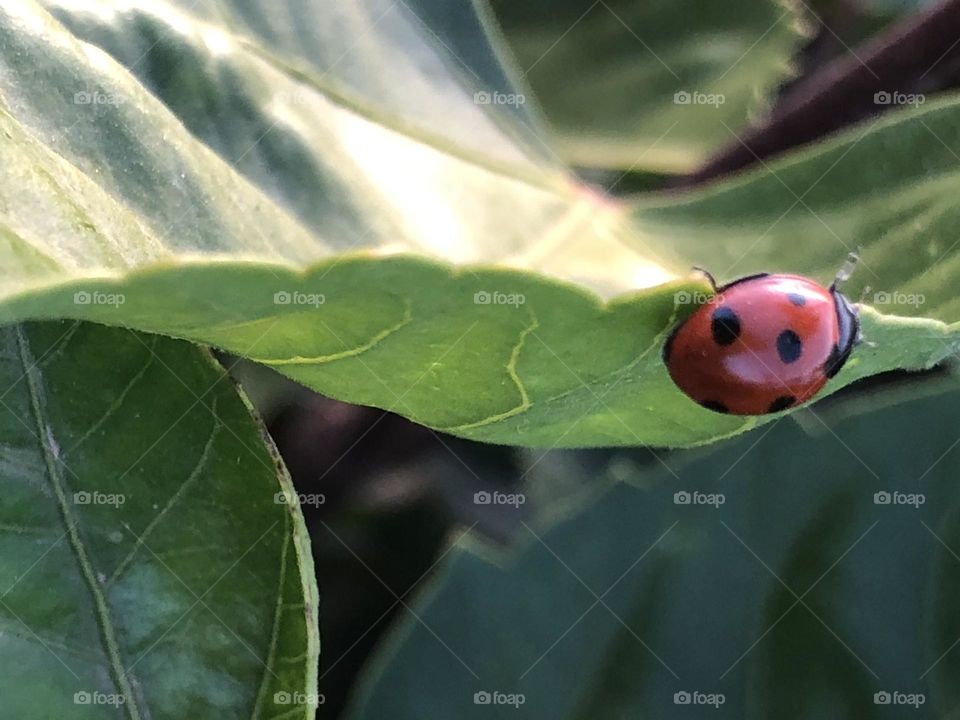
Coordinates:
[763,343]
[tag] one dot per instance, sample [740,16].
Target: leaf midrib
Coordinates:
[34,384]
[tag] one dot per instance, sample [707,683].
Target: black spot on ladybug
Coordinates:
[781,403]
[725,326]
[715,406]
[789,346]
[833,364]
[797,299]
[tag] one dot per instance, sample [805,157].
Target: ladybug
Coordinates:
[763,343]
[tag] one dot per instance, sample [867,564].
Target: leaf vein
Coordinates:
[184,486]
[45,436]
[118,402]
[275,630]
[514,376]
[352,352]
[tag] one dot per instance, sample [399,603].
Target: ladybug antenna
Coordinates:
[846,270]
[713,282]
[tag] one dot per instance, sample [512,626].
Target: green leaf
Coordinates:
[401,62]
[796,596]
[351,247]
[650,85]
[147,568]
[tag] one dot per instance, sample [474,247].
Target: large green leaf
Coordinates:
[147,567]
[650,85]
[799,596]
[398,61]
[348,246]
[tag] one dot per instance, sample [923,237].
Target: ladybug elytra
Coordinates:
[763,343]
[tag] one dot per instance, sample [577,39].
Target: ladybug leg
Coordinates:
[858,337]
[846,270]
[848,321]
[705,273]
